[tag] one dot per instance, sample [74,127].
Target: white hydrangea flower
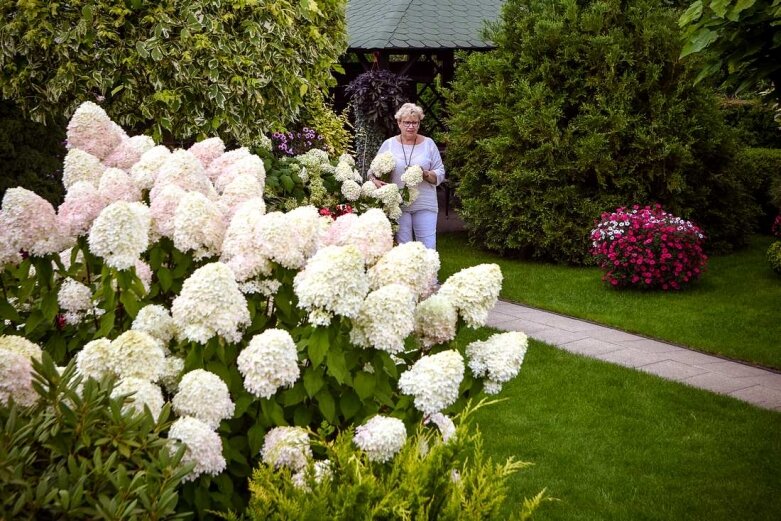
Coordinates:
[205,396]
[144,273]
[267,288]
[129,151]
[91,130]
[95,359]
[162,210]
[240,250]
[383,164]
[81,166]
[120,234]
[368,188]
[385,319]
[169,378]
[184,170]
[83,203]
[144,172]
[265,142]
[144,393]
[209,305]
[289,239]
[394,212]
[269,362]
[381,438]
[313,158]
[411,264]
[435,320]
[156,321]
[117,185]
[222,163]
[433,381]
[286,447]
[445,425]
[243,188]
[204,446]
[347,158]
[134,353]
[343,172]
[499,358]
[388,195]
[16,381]
[20,345]
[208,150]
[372,234]
[321,470]
[474,291]
[338,230]
[74,296]
[412,176]
[250,165]
[333,282]
[30,223]
[351,190]
[198,226]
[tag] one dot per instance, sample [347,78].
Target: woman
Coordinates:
[418,221]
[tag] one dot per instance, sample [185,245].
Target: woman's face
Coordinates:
[409,125]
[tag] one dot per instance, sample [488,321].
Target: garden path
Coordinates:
[751,384]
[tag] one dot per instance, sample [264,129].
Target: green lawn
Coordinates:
[616,444]
[734,311]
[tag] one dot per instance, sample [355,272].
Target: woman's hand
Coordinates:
[430,176]
[378,183]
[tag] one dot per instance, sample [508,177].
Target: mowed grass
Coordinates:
[733,311]
[612,443]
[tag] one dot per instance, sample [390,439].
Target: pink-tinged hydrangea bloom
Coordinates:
[208,150]
[31,223]
[338,231]
[185,171]
[372,234]
[332,283]
[385,319]
[498,359]
[435,320]
[162,210]
[144,273]
[74,296]
[222,163]
[411,264]
[144,172]
[249,165]
[241,189]
[433,381]
[204,446]
[16,381]
[474,291]
[381,437]
[240,249]
[83,203]
[143,393]
[9,253]
[209,305]
[269,362]
[129,152]
[20,345]
[290,239]
[120,234]
[134,353]
[205,396]
[91,130]
[199,226]
[286,447]
[81,166]
[116,185]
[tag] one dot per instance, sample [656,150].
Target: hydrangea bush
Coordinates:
[648,248]
[183,283]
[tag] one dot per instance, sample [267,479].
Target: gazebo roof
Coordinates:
[419,24]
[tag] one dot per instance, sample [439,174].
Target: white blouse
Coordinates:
[426,155]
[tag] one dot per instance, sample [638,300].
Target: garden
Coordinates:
[205,315]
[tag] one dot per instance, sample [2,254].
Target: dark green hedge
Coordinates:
[583,107]
[754,122]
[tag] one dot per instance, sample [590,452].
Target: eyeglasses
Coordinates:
[410,123]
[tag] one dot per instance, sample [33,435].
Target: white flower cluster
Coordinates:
[435,320]
[81,166]
[143,393]
[411,178]
[205,396]
[411,264]
[120,234]
[383,164]
[116,185]
[269,362]
[134,353]
[204,446]
[16,379]
[184,170]
[391,199]
[145,171]
[289,238]
[29,223]
[240,250]
[372,234]
[91,130]
[286,447]
[74,296]
[351,190]
[433,381]
[155,321]
[129,151]
[381,437]
[210,304]
[332,283]
[198,226]
[20,345]
[321,470]
[474,291]
[208,150]
[385,319]
[499,358]
[95,358]
[445,425]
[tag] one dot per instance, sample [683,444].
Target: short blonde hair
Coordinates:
[409,109]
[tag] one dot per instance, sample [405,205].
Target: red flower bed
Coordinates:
[648,248]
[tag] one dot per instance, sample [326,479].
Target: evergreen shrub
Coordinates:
[774,257]
[754,121]
[759,169]
[581,108]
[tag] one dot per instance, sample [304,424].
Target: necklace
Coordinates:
[404,151]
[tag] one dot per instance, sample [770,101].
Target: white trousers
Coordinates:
[422,224]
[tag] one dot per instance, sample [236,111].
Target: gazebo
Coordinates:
[416,38]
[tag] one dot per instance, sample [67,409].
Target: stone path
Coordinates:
[744,382]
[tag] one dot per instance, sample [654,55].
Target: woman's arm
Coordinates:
[437,171]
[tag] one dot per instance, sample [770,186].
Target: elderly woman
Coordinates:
[418,221]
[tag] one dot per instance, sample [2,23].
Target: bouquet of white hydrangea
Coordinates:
[382,165]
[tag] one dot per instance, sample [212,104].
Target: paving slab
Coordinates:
[717,383]
[629,357]
[590,347]
[611,335]
[672,370]
[768,398]
[650,346]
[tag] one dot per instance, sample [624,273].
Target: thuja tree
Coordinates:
[170,68]
[584,106]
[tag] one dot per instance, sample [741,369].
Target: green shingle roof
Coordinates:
[419,24]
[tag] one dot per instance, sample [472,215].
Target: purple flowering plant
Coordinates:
[293,143]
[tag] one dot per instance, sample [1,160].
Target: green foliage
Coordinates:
[31,154]
[741,37]
[584,107]
[759,169]
[77,455]
[320,115]
[171,69]
[754,122]
[774,257]
[428,479]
